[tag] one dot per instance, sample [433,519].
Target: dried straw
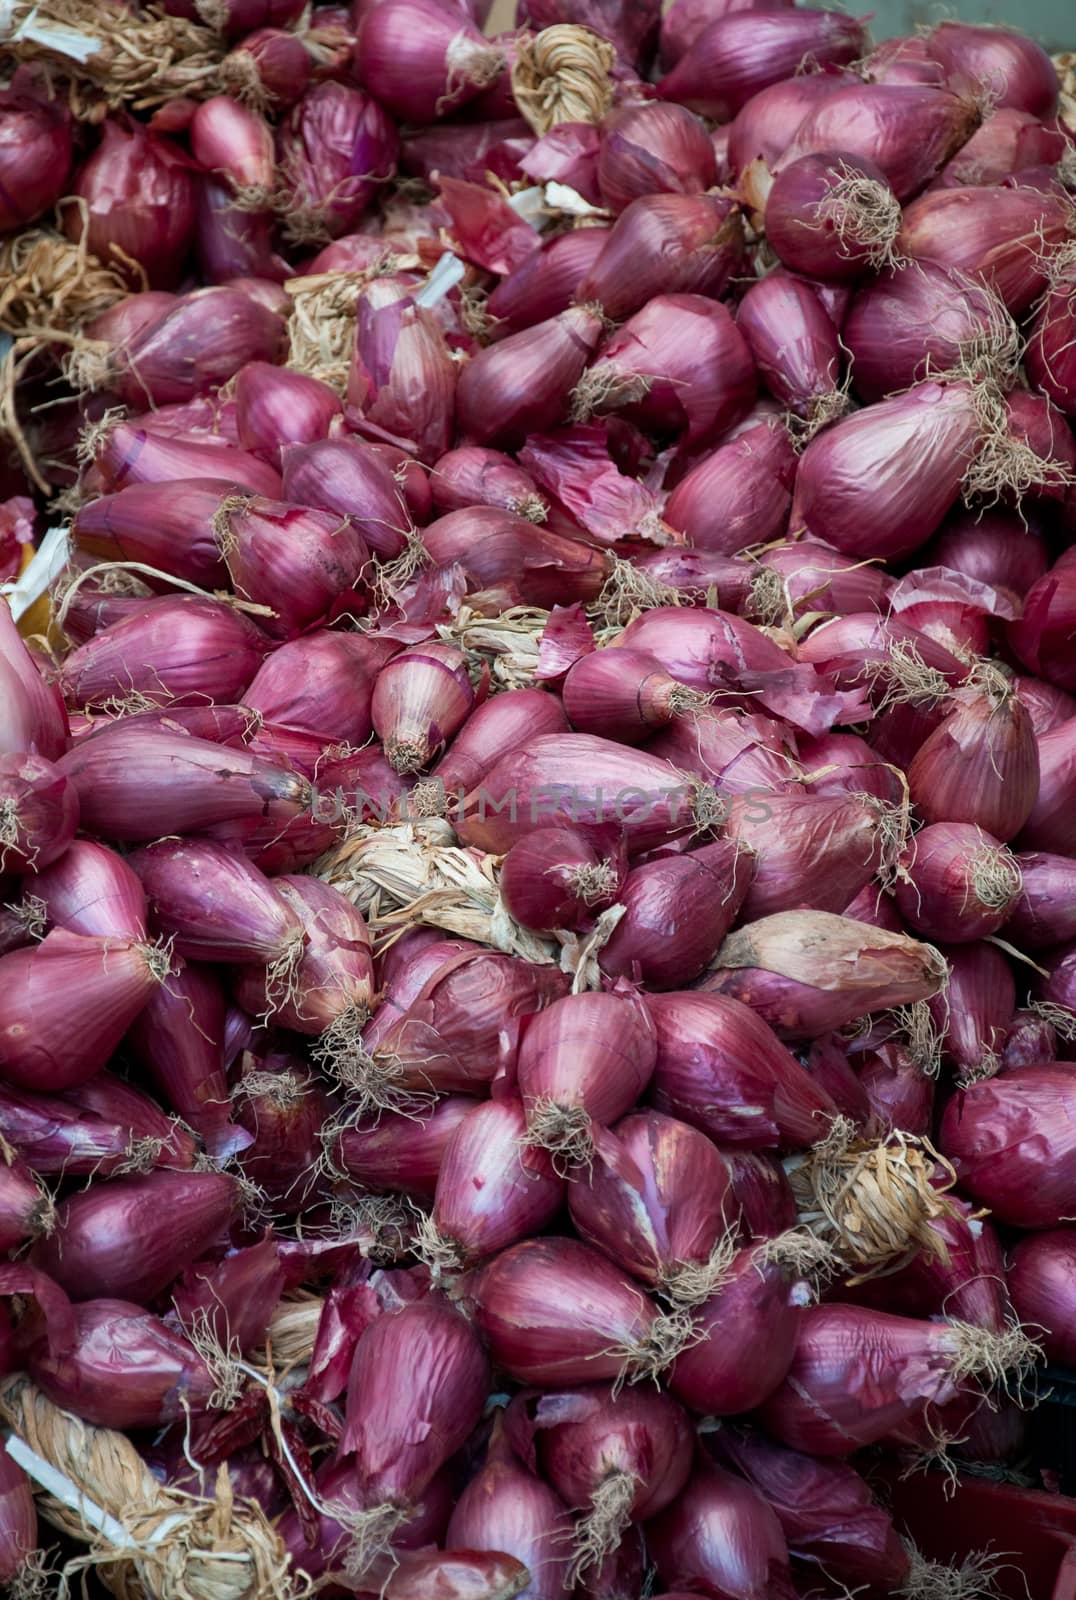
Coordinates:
[563,75]
[321,328]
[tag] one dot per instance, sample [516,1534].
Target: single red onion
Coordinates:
[684,21]
[714,1056]
[657,1201]
[283,1107]
[109,1241]
[653,148]
[680,360]
[810,972]
[763,129]
[506,1507]
[335,148]
[553,1311]
[26,1207]
[421,698]
[138,195]
[1013,70]
[693,574]
[980,765]
[1057,992]
[1007,142]
[665,244]
[906,131]
[165,525]
[996,547]
[1003,236]
[422,61]
[975,1011]
[521,385]
[305,565]
[832,215]
[323,682]
[495,549]
[397,1150]
[1031,1040]
[966,1279]
[1044,912]
[733,58]
[836,1398]
[899,1091]
[402,375]
[473,476]
[137,455]
[956,883]
[761,1192]
[1052,822]
[275,406]
[1035,425]
[178,1040]
[546,283]
[559,878]
[678,913]
[738,495]
[1010,1141]
[1041,637]
[794,345]
[626,695]
[35,152]
[844,763]
[234,141]
[39,813]
[216,906]
[270,65]
[720,1537]
[32,716]
[230,244]
[490,1192]
[504,723]
[879,482]
[236,17]
[1040,1279]
[349,478]
[813,849]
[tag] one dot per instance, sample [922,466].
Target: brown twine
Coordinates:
[627,593]
[563,75]
[872,1201]
[180,1546]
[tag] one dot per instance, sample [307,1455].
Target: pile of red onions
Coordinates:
[537,793]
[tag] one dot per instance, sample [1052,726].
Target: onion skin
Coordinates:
[1044,912]
[401,1152]
[35,155]
[492,1188]
[665,244]
[140,197]
[736,56]
[766,125]
[739,494]
[1048,357]
[1041,637]
[418,1382]
[656,1197]
[716,1056]
[974,1015]
[590,1051]
[127,1369]
[1017,71]
[1040,1279]
[1003,236]
[40,812]
[323,682]
[495,549]
[335,148]
[653,148]
[543,285]
[981,765]
[1011,1140]
[1052,822]
[32,716]
[349,478]
[946,886]
[793,342]
[506,1507]
[178,1039]
[552,1310]
[78,1135]
[731,1370]
[422,60]
[557,878]
[678,912]
[108,1241]
[18,1519]
[995,547]
[720,1538]
[214,904]
[504,723]
[521,385]
[742,754]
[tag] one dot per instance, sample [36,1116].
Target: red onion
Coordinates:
[1058,992]
[197,344]
[1040,1280]
[166,525]
[521,385]
[275,406]
[832,215]
[576,470]
[335,148]
[18,1524]
[131,455]
[504,723]
[421,698]
[173,649]
[906,131]
[234,141]
[402,376]
[472,476]
[567,154]
[1031,1040]
[736,56]
[764,128]
[899,1091]
[615,1459]
[35,152]
[1042,637]
[794,345]
[234,1297]
[685,20]
[590,782]
[665,244]
[810,972]
[1007,142]
[967,1283]
[1035,425]
[103,982]
[303,564]
[974,1013]
[546,283]
[349,478]
[715,1057]
[139,197]
[505,1507]
[1003,236]
[558,878]
[843,763]
[743,754]
[693,574]
[721,1538]
[1052,823]
[812,849]
[342,1497]
[731,1370]
[178,1040]
[26,1208]
[879,482]
[270,64]
[230,244]
[626,695]
[422,61]
[109,1241]
[657,1201]
[903,60]
[1044,912]
[654,148]
[583,1062]
[553,1311]
[323,682]
[96,1128]
[216,906]
[678,913]
[837,1397]
[875,908]
[956,883]
[994,547]
[490,1192]
[980,765]
[283,1108]
[681,359]
[126,1369]
[761,1192]
[1009,1139]
[32,716]
[398,1150]
[1014,70]
[801,577]
[495,548]
[38,813]
[1049,356]
[825,1509]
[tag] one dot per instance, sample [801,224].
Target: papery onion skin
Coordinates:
[1042,636]
[974,1013]
[716,1056]
[665,244]
[1003,236]
[1042,1271]
[77,1134]
[336,146]
[495,548]
[1012,1141]
[139,196]
[956,883]
[650,148]
[40,811]
[981,765]
[1014,69]
[492,1188]
[722,1538]
[678,913]
[736,56]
